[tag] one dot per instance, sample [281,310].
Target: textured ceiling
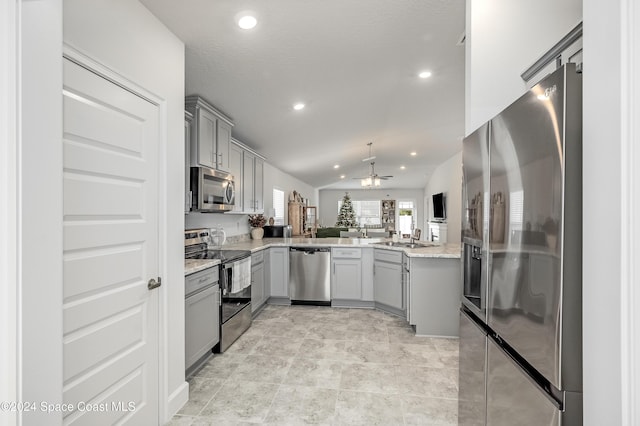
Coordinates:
[354,63]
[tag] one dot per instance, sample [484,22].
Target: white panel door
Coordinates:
[110,324]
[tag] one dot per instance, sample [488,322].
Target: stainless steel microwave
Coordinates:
[212,190]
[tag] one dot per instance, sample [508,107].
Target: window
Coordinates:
[406,217]
[367,212]
[516,211]
[278,206]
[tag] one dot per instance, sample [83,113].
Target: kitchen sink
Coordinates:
[408,245]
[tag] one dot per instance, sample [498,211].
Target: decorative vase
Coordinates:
[257,233]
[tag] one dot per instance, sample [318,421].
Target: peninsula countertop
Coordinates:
[434,250]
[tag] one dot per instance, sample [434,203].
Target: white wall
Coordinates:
[447,178]
[276,178]
[125,37]
[237,224]
[328,207]
[505,37]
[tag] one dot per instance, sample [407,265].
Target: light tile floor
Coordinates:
[327,366]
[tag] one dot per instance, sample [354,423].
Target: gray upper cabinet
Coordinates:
[210,135]
[223,141]
[188,119]
[236,159]
[247,167]
[253,183]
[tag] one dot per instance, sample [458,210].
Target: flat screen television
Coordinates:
[439,207]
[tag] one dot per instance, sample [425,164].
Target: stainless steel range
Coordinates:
[235,285]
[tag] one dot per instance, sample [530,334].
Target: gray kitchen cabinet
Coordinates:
[258,184]
[188,120]
[253,177]
[210,135]
[279,275]
[236,159]
[367,275]
[387,281]
[247,168]
[346,274]
[258,294]
[435,290]
[223,144]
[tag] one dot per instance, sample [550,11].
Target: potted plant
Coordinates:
[257,221]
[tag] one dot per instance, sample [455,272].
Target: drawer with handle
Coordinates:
[346,253]
[257,258]
[194,282]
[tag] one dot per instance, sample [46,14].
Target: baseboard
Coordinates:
[279,301]
[391,310]
[346,303]
[177,399]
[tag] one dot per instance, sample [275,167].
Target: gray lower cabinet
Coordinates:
[279,274]
[258,293]
[435,292]
[346,274]
[388,281]
[202,318]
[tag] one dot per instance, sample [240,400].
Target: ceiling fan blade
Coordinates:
[385,177]
[368,158]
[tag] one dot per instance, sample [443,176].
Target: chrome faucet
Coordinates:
[416,235]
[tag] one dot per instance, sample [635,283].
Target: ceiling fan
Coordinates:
[373,179]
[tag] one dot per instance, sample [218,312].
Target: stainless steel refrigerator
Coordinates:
[521,313]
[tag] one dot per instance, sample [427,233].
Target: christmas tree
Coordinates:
[346,216]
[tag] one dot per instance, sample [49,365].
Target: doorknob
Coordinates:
[154,284]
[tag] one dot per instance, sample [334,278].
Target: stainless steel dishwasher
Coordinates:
[309,275]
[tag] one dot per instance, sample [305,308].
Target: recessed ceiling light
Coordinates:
[413,154]
[336,166]
[247,22]
[424,74]
[342,176]
[298,106]
[402,167]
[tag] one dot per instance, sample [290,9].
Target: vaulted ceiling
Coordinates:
[353,63]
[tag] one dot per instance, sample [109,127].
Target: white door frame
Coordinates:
[9,49]
[630,231]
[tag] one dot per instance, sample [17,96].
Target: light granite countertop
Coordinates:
[441,251]
[436,251]
[191,266]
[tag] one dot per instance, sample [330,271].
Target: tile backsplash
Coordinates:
[234,225]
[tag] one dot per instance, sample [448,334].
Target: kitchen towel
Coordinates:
[241,277]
